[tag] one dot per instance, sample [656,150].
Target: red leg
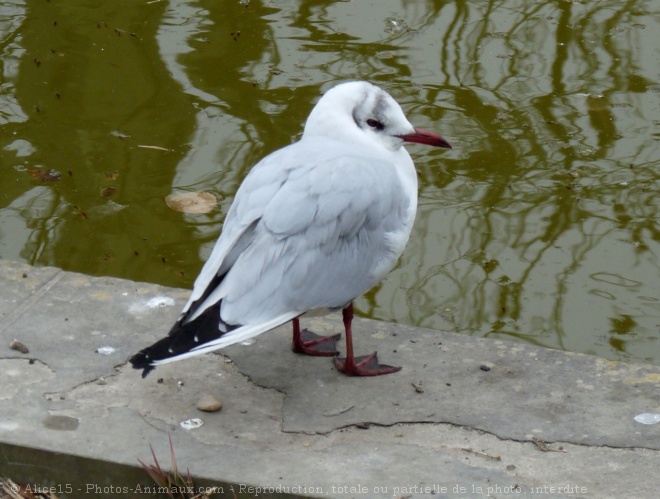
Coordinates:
[312,344]
[366,365]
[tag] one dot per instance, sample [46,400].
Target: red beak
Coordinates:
[425,137]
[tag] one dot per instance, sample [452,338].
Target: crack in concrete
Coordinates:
[19,373]
[535,441]
[30,360]
[30,300]
[540,444]
[249,378]
[81,384]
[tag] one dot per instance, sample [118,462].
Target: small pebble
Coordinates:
[18,346]
[208,403]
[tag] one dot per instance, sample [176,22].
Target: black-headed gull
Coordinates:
[312,227]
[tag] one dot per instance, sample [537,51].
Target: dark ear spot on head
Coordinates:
[377,125]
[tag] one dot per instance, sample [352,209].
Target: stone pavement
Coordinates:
[466,417]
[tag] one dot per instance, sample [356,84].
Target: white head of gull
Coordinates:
[313,226]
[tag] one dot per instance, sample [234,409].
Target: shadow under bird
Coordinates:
[313,226]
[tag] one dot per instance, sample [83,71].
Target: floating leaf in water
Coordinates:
[192,202]
[108,191]
[395,25]
[45,175]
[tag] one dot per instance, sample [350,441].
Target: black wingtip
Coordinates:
[147,370]
[182,338]
[141,361]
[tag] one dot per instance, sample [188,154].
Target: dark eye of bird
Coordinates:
[375,124]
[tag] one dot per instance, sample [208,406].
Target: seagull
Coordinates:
[313,226]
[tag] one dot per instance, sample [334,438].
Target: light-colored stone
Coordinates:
[208,403]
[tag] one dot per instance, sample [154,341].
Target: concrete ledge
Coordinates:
[465,417]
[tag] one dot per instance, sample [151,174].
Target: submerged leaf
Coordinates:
[108,191]
[108,208]
[45,175]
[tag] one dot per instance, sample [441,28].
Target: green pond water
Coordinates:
[541,225]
